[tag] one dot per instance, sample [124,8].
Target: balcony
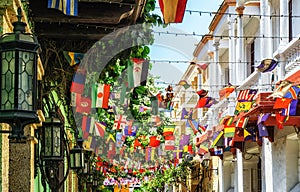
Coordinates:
[95,19]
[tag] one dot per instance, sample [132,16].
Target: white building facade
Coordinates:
[241,35]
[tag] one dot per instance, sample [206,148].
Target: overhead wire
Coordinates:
[211,13]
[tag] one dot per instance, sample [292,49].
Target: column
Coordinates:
[221,175]
[21,164]
[267,166]
[284,32]
[211,75]
[239,164]
[298,159]
[232,50]
[284,22]
[241,65]
[266,52]
[218,71]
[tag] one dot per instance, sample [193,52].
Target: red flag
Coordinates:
[154,141]
[173,11]
[78,82]
[202,102]
[242,122]
[170,142]
[83,105]
[225,92]
[282,103]
[280,119]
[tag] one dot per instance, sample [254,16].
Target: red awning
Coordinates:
[294,77]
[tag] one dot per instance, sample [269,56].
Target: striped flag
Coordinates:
[168,130]
[73,58]
[216,138]
[203,149]
[87,126]
[242,122]
[229,131]
[100,95]
[293,92]
[100,129]
[173,11]
[170,142]
[78,82]
[68,7]
[137,72]
[246,95]
[202,128]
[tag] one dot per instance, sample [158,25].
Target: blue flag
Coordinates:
[68,7]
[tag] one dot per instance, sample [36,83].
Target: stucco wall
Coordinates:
[279,165]
[292,151]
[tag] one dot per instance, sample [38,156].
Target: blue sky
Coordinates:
[180,48]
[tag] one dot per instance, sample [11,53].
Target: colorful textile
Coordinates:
[137,72]
[68,7]
[267,65]
[78,82]
[247,95]
[100,95]
[173,11]
[83,105]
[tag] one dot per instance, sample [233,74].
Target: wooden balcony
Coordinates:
[265,105]
[95,19]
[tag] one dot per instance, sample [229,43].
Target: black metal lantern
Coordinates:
[52,138]
[76,158]
[18,87]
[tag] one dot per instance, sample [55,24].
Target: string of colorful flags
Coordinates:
[198,139]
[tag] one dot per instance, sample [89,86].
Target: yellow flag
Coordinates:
[243,106]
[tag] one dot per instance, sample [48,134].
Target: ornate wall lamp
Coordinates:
[53,152]
[18,87]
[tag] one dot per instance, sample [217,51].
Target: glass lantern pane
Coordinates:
[72,160]
[77,159]
[26,80]
[7,76]
[56,141]
[48,142]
